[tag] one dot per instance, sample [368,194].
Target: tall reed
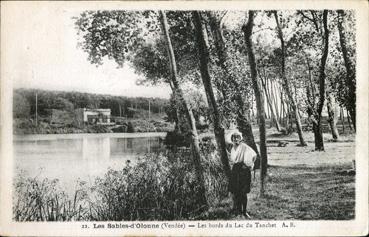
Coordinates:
[43,200]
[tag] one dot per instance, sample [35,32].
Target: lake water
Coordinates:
[68,157]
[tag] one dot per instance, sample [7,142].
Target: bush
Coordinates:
[175,138]
[120,129]
[159,187]
[130,128]
[98,129]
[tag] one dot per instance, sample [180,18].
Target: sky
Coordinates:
[41,52]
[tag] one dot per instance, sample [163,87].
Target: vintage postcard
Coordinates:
[184,118]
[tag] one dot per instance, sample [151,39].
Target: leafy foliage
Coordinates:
[109,34]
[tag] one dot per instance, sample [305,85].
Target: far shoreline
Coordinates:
[41,136]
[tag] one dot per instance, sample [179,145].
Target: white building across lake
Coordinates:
[94,116]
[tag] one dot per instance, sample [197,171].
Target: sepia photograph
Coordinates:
[132,119]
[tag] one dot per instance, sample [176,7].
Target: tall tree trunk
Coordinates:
[243,123]
[247,30]
[252,109]
[267,109]
[287,112]
[318,136]
[182,125]
[267,106]
[317,127]
[190,117]
[309,104]
[311,84]
[274,91]
[269,101]
[332,116]
[348,119]
[350,68]
[342,116]
[290,118]
[286,83]
[202,44]
[282,109]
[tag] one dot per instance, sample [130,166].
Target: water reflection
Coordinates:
[81,157]
[96,148]
[86,147]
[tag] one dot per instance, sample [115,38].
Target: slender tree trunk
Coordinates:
[270,111]
[290,118]
[202,44]
[299,111]
[269,101]
[179,122]
[253,116]
[267,108]
[286,84]
[184,125]
[282,109]
[252,109]
[332,116]
[350,68]
[287,112]
[178,92]
[342,116]
[247,30]
[318,134]
[243,122]
[309,104]
[275,103]
[348,119]
[311,84]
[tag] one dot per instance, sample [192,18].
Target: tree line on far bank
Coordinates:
[24,103]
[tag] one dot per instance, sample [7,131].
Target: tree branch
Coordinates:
[313,19]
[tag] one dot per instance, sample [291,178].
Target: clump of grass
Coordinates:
[43,200]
